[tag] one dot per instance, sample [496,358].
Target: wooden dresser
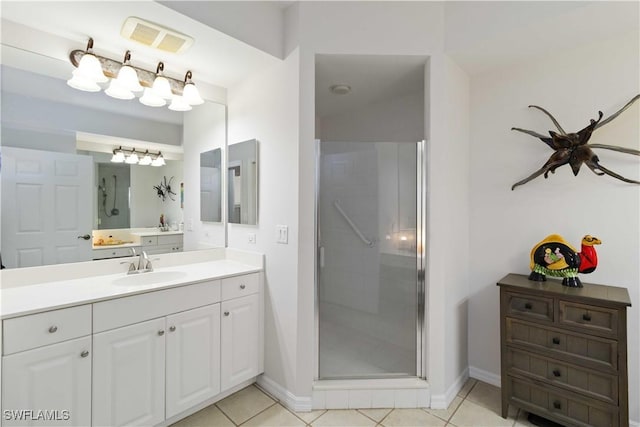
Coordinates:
[564,351]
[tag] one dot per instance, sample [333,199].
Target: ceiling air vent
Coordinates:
[154,35]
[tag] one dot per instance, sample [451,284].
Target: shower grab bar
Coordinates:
[355,229]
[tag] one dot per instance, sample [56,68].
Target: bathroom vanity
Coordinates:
[119,243]
[138,349]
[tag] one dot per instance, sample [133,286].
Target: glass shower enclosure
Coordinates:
[370,289]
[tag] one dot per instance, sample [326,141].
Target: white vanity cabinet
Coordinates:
[144,359]
[161,243]
[46,368]
[128,375]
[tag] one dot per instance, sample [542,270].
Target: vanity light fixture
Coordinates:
[128,81]
[132,157]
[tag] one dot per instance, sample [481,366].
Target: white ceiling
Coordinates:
[372,78]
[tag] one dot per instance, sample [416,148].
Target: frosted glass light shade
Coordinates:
[162,88]
[158,161]
[146,160]
[178,104]
[116,90]
[82,83]
[118,157]
[150,99]
[191,95]
[128,79]
[132,159]
[91,69]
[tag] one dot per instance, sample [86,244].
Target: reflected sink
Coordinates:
[149,278]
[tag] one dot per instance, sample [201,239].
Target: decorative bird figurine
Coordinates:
[554,257]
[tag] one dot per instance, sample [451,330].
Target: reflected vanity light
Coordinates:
[127,82]
[132,157]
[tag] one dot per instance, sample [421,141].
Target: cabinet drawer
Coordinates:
[566,375]
[113,252]
[562,405]
[138,308]
[149,240]
[170,239]
[588,317]
[234,287]
[23,333]
[529,307]
[593,351]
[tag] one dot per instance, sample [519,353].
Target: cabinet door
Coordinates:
[54,379]
[128,375]
[240,340]
[193,358]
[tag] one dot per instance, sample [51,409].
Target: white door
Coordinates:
[128,375]
[240,338]
[193,358]
[46,207]
[54,378]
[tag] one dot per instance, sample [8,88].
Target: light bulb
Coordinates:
[91,69]
[116,90]
[128,79]
[150,99]
[146,160]
[132,159]
[162,88]
[158,161]
[82,83]
[117,157]
[178,104]
[191,95]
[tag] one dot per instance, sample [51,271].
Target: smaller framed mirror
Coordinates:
[211,186]
[242,183]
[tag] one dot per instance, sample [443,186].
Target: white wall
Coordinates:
[265,107]
[204,130]
[573,85]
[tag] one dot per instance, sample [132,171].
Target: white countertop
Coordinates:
[121,245]
[155,233]
[22,300]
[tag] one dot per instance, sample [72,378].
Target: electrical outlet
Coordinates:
[252,238]
[282,234]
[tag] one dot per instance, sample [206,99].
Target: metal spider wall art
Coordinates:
[573,148]
[163,190]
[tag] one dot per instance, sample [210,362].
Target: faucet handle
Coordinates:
[132,266]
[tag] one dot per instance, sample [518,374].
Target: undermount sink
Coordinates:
[149,278]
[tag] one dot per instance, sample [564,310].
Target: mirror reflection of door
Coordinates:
[242,183]
[46,207]
[211,186]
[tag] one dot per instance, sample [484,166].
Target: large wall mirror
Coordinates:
[242,183]
[211,186]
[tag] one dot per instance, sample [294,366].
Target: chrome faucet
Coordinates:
[144,263]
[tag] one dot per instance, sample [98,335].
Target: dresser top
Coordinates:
[554,287]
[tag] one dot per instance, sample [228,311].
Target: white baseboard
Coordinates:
[634,423]
[442,401]
[484,376]
[288,399]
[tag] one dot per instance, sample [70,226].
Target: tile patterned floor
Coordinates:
[477,404]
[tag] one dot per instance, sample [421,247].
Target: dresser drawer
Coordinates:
[590,318]
[36,330]
[149,240]
[529,307]
[566,375]
[113,252]
[562,405]
[170,239]
[592,351]
[239,286]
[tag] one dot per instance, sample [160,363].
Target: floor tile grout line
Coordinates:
[306,423]
[225,415]
[375,421]
[252,417]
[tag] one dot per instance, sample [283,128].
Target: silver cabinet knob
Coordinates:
[161,332]
[242,286]
[84,353]
[226,313]
[53,329]
[172,328]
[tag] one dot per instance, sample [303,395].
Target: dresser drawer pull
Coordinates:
[555,340]
[557,404]
[586,317]
[53,329]
[242,286]
[528,306]
[161,332]
[556,373]
[84,353]
[226,313]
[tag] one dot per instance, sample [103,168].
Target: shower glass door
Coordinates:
[368,233]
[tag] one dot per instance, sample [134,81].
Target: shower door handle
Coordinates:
[85,237]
